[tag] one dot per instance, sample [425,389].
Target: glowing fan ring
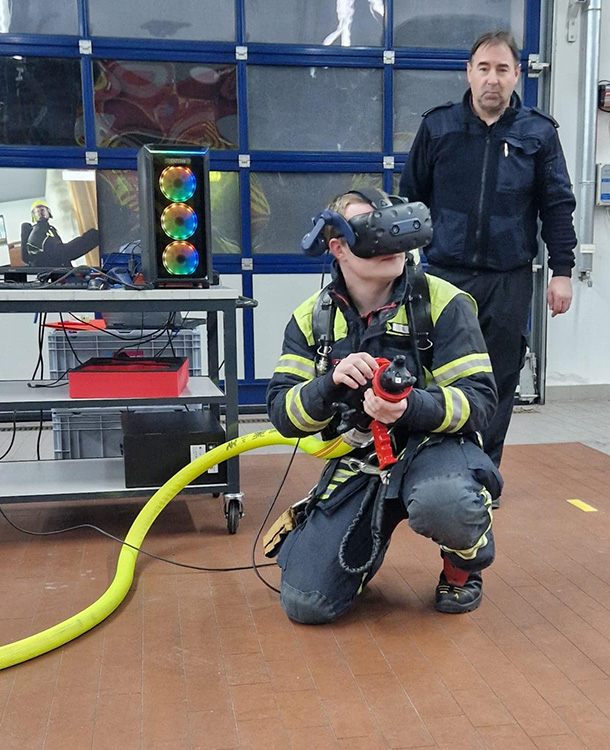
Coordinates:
[180,258]
[179,221]
[177,183]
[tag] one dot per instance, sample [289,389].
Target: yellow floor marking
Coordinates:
[583,506]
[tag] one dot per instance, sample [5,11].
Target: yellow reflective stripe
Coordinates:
[341,474]
[441,294]
[297,414]
[340,327]
[303,317]
[400,317]
[399,324]
[295,365]
[462,368]
[470,554]
[457,410]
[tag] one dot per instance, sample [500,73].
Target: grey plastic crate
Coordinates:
[95,432]
[87,344]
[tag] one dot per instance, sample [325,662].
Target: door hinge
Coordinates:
[535,66]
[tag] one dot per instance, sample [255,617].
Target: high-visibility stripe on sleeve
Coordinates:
[295,365]
[462,368]
[297,414]
[457,410]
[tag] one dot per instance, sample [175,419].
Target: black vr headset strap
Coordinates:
[373,196]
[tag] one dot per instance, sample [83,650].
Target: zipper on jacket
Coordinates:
[477,250]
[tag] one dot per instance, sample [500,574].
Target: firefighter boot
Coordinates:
[457,590]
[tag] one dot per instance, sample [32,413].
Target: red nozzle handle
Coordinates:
[383,444]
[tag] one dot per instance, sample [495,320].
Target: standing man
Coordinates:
[489,168]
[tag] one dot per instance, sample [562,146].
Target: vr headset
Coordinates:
[394,226]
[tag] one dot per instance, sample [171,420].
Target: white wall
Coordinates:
[579,342]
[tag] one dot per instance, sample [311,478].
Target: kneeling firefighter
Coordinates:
[383,317]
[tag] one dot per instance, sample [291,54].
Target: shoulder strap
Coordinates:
[322,326]
[420,317]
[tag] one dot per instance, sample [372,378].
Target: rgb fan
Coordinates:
[177,183]
[180,258]
[179,221]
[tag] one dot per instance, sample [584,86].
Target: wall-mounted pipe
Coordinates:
[587,122]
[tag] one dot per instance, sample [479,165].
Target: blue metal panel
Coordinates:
[240,22]
[162,49]
[42,157]
[83,19]
[126,158]
[293,162]
[86,71]
[294,54]
[39,45]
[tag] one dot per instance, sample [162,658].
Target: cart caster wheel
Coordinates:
[234,510]
[233,517]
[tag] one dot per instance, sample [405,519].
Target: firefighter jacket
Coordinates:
[487,185]
[460,395]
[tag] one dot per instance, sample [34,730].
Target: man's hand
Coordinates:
[383,411]
[355,370]
[559,295]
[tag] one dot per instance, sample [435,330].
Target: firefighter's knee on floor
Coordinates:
[306,607]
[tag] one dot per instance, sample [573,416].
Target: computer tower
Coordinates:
[174,194]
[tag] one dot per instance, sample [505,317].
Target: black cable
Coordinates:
[39,438]
[67,337]
[264,521]
[131,546]
[142,339]
[42,319]
[13,436]
[79,273]
[59,382]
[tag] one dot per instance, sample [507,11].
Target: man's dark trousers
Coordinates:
[503,299]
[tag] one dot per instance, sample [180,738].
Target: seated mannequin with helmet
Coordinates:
[41,245]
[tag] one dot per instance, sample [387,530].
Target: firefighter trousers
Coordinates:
[445,493]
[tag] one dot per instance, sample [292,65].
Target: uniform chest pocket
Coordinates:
[517,164]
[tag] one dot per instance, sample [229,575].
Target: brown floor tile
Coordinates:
[322,738]
[213,730]
[350,718]
[196,660]
[262,734]
[118,721]
[455,733]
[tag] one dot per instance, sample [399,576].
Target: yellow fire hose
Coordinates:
[47,640]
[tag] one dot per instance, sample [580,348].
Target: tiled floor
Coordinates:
[195,660]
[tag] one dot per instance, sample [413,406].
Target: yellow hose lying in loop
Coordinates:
[47,640]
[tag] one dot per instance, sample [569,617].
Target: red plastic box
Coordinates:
[125,377]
